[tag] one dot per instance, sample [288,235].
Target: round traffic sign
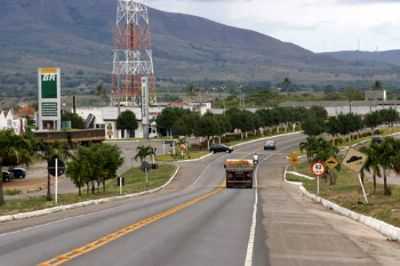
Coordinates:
[318,169]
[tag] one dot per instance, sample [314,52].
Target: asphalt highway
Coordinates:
[194,221]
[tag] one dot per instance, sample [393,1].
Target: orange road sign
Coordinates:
[332,163]
[294,158]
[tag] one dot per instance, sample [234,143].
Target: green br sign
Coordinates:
[49,86]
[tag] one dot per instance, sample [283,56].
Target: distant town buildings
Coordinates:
[106,117]
[10,121]
[376,95]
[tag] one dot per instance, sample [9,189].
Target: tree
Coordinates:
[372,165]
[127,121]
[14,150]
[286,84]
[313,125]
[318,149]
[372,120]
[387,155]
[389,116]
[76,121]
[184,126]
[143,152]
[94,164]
[109,160]
[166,120]
[207,127]
[318,111]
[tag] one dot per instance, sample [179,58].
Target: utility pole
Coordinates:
[145,107]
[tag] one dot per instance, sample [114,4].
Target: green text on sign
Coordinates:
[49,86]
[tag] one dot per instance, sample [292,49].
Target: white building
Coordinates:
[106,117]
[376,95]
[8,120]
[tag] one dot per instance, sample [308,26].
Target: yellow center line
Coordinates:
[66,257]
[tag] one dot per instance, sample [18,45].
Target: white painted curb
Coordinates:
[300,175]
[388,230]
[26,215]
[196,160]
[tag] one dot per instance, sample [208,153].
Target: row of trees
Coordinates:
[345,124]
[181,122]
[383,157]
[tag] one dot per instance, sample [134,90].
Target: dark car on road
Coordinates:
[269,145]
[18,172]
[220,148]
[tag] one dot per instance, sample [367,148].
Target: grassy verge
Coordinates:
[192,155]
[134,182]
[347,193]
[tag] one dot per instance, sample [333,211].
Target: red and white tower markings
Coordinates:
[132,54]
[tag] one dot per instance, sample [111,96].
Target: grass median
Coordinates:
[134,183]
[347,193]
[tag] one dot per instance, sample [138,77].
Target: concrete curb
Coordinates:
[196,160]
[388,230]
[300,175]
[25,215]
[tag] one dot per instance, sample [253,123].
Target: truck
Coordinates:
[239,173]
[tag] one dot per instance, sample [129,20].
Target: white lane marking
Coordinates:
[250,245]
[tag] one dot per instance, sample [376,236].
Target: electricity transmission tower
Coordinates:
[132,55]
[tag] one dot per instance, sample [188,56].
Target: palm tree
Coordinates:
[372,165]
[387,156]
[318,149]
[14,150]
[143,152]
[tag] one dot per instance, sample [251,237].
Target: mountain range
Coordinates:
[77,35]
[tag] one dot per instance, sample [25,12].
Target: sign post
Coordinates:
[355,161]
[56,168]
[56,183]
[121,183]
[318,170]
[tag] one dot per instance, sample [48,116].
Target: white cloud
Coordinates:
[314,24]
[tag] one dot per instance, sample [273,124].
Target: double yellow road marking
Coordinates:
[61,259]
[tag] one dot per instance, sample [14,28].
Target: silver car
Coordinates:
[270,145]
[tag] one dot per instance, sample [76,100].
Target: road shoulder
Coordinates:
[299,232]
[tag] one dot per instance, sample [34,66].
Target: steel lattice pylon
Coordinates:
[132,54]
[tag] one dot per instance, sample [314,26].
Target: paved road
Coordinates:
[192,222]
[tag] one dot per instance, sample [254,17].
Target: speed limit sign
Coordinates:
[318,169]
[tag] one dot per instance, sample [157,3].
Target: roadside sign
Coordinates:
[354,160]
[294,159]
[52,167]
[318,169]
[332,163]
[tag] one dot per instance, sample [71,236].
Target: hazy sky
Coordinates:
[318,25]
